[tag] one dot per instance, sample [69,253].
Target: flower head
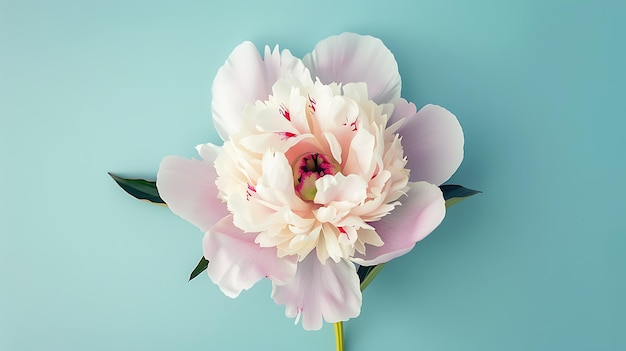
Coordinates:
[323,167]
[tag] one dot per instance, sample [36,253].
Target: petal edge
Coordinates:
[188,188]
[236,262]
[420,213]
[350,57]
[320,292]
[433,143]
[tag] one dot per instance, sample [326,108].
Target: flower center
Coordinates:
[309,168]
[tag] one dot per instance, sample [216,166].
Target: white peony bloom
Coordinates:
[323,167]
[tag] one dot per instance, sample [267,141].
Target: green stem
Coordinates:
[339,336]
[339,325]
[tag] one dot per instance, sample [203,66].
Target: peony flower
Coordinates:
[323,167]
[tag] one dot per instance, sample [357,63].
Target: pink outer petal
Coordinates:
[433,144]
[420,213]
[188,188]
[246,78]
[402,109]
[320,291]
[236,262]
[353,58]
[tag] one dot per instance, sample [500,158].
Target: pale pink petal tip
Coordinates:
[353,58]
[188,188]
[422,210]
[236,262]
[320,293]
[433,144]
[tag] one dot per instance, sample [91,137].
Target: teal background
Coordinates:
[534,263]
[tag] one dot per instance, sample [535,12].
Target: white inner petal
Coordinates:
[334,138]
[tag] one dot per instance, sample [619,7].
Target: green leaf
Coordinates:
[367,274]
[363,271]
[140,188]
[454,194]
[201,267]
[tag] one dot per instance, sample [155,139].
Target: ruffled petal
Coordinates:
[236,262]
[246,78]
[188,188]
[319,292]
[351,189]
[420,213]
[276,184]
[433,144]
[353,58]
